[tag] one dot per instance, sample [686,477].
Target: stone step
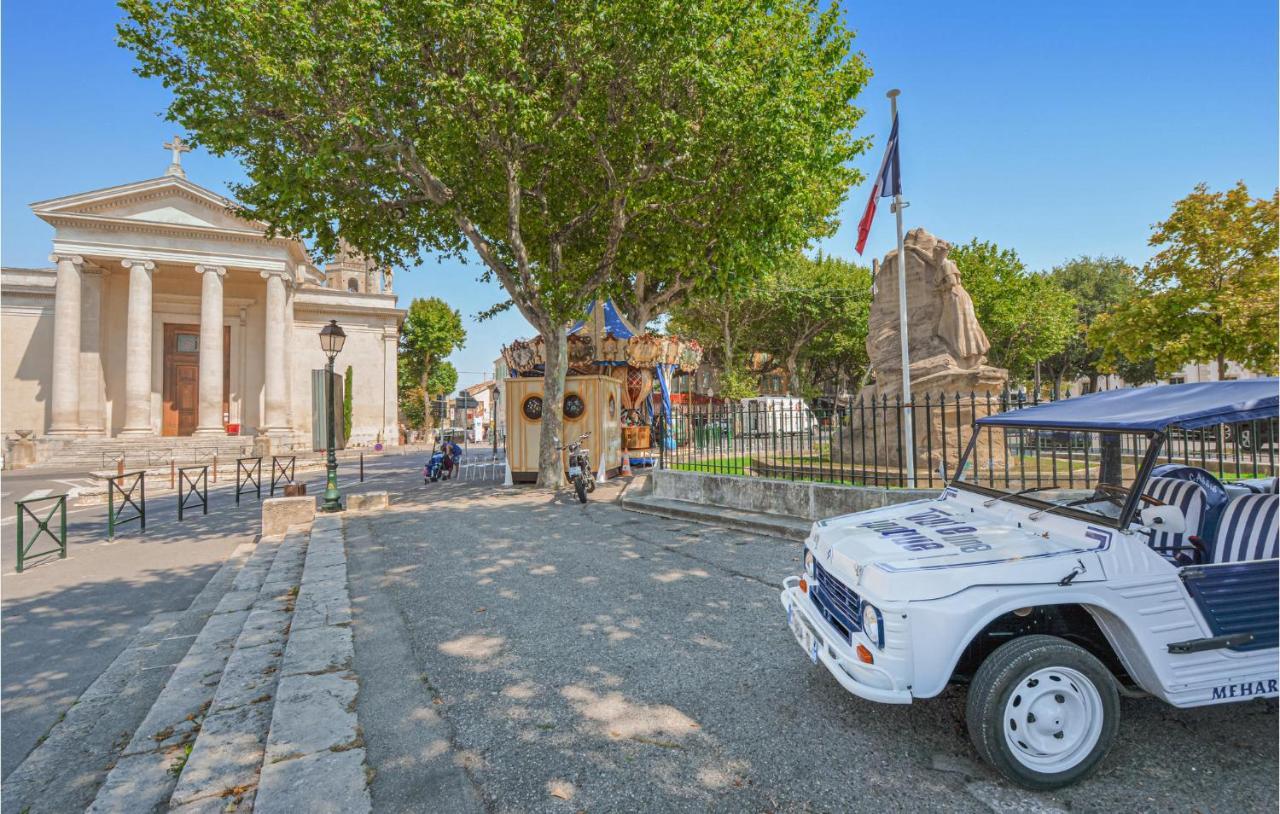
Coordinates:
[315,757]
[222,770]
[774,525]
[150,765]
[64,772]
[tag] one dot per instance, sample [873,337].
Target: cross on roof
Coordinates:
[177,146]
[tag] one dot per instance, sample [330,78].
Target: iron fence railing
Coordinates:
[863,442]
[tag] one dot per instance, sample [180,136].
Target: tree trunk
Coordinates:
[550,462]
[1222,368]
[728,344]
[793,371]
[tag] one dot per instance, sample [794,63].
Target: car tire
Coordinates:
[1043,711]
[580,488]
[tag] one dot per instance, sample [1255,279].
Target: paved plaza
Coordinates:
[516,651]
[572,658]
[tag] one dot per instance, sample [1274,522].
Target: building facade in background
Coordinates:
[167,314]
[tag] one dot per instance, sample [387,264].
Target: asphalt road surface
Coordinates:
[63,621]
[519,652]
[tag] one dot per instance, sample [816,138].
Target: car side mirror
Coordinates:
[1164,518]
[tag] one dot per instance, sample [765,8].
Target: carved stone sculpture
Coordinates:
[946,348]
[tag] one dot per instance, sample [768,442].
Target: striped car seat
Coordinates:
[1190,499]
[1247,530]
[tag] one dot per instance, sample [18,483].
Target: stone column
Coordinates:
[209,421]
[289,373]
[91,396]
[65,398]
[273,369]
[137,363]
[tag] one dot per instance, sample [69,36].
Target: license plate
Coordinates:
[804,636]
[574,471]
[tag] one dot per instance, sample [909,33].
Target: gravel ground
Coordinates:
[532,654]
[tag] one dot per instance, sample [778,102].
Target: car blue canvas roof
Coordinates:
[1186,406]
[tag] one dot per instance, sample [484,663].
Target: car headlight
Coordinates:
[872,625]
[808,562]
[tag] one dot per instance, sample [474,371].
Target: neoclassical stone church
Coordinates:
[167,315]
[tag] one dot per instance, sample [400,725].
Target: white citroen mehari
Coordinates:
[1087,548]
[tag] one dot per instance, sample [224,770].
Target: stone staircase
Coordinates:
[152,452]
[244,701]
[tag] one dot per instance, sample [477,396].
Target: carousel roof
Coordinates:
[606,319]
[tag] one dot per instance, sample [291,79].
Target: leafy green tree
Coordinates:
[347,403]
[1209,293]
[739,383]
[442,381]
[413,407]
[807,316]
[431,331]
[1097,284]
[720,325]
[808,307]
[1027,317]
[548,139]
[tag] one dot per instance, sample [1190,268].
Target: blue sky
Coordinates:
[1056,129]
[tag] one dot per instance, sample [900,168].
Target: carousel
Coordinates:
[619,379]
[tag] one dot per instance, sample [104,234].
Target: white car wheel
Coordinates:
[1053,719]
[1043,711]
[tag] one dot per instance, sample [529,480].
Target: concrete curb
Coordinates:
[315,757]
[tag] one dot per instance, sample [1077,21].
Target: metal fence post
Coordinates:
[139,505]
[42,528]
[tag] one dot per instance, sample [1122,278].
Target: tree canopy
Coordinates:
[1210,292]
[1027,317]
[1097,284]
[431,331]
[556,141]
[807,316]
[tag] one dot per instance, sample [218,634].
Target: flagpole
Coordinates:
[908,433]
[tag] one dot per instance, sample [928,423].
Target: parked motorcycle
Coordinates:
[579,467]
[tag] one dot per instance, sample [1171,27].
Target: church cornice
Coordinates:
[80,210]
[110,224]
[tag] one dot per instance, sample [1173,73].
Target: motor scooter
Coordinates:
[579,467]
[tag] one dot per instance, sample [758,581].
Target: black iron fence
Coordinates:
[864,442]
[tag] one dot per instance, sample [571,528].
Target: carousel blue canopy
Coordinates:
[1184,406]
[617,325]
[614,322]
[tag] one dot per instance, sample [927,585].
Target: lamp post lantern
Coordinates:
[332,338]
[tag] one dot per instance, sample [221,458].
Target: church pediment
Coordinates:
[164,202]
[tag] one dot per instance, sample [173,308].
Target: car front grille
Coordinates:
[838,605]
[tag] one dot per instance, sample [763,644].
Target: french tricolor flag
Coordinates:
[888,183]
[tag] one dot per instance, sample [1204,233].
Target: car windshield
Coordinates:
[1085,472]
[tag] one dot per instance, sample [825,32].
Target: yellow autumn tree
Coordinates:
[1210,294]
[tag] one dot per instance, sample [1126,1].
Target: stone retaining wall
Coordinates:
[810,501]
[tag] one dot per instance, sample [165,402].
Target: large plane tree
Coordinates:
[547,138]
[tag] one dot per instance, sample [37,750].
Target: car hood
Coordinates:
[933,548]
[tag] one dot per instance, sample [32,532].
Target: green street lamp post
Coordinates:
[332,338]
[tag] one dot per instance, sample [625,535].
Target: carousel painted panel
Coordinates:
[591,404]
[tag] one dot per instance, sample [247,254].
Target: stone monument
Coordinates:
[947,351]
